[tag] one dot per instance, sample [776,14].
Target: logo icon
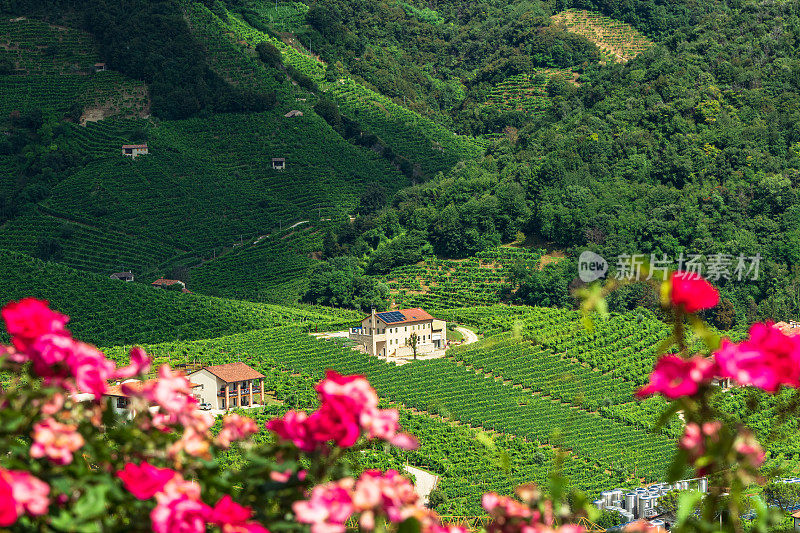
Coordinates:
[591,266]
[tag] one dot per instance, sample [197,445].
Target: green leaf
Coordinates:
[687,503]
[93,502]
[409,525]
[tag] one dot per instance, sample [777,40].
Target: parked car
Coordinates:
[205,406]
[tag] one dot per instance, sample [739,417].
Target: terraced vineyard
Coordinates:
[231,155]
[442,283]
[616,40]
[422,141]
[274,269]
[541,370]
[623,345]
[445,388]
[53,69]
[523,92]
[109,312]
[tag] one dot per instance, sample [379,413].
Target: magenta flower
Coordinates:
[293,427]
[674,377]
[235,427]
[29,319]
[140,365]
[692,292]
[145,480]
[56,441]
[234,518]
[767,359]
[329,507]
[21,493]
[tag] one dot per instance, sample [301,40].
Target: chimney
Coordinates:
[373,318]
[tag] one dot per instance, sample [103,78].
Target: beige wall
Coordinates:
[210,385]
[392,339]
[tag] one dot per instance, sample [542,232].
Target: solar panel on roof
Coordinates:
[391,316]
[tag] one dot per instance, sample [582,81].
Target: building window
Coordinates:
[122,403]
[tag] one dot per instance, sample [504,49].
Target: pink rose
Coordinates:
[674,376]
[8,507]
[234,518]
[328,508]
[179,513]
[140,365]
[56,441]
[235,427]
[20,492]
[767,359]
[145,480]
[692,292]
[29,319]
[293,427]
[172,391]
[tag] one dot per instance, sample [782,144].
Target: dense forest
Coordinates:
[692,148]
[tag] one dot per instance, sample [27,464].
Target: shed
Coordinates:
[134,150]
[278,163]
[293,113]
[796,517]
[99,67]
[122,276]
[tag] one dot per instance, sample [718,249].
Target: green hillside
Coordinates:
[109,312]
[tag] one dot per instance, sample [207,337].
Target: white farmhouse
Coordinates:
[388,334]
[229,386]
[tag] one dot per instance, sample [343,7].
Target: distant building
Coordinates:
[164,283]
[229,386]
[293,113]
[388,334]
[796,517]
[122,276]
[788,328]
[121,402]
[99,67]
[134,150]
[278,163]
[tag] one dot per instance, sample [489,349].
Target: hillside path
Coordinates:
[469,335]
[425,482]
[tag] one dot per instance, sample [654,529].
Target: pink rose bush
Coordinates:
[373,496]
[348,408]
[21,493]
[235,427]
[674,377]
[510,516]
[692,293]
[56,441]
[767,359]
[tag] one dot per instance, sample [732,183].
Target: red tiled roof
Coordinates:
[415,314]
[134,146]
[163,281]
[234,372]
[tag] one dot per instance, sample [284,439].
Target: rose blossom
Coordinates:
[234,518]
[674,376]
[145,480]
[235,427]
[21,492]
[293,427]
[692,292]
[140,365]
[767,359]
[180,508]
[749,450]
[56,441]
[29,319]
[329,507]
